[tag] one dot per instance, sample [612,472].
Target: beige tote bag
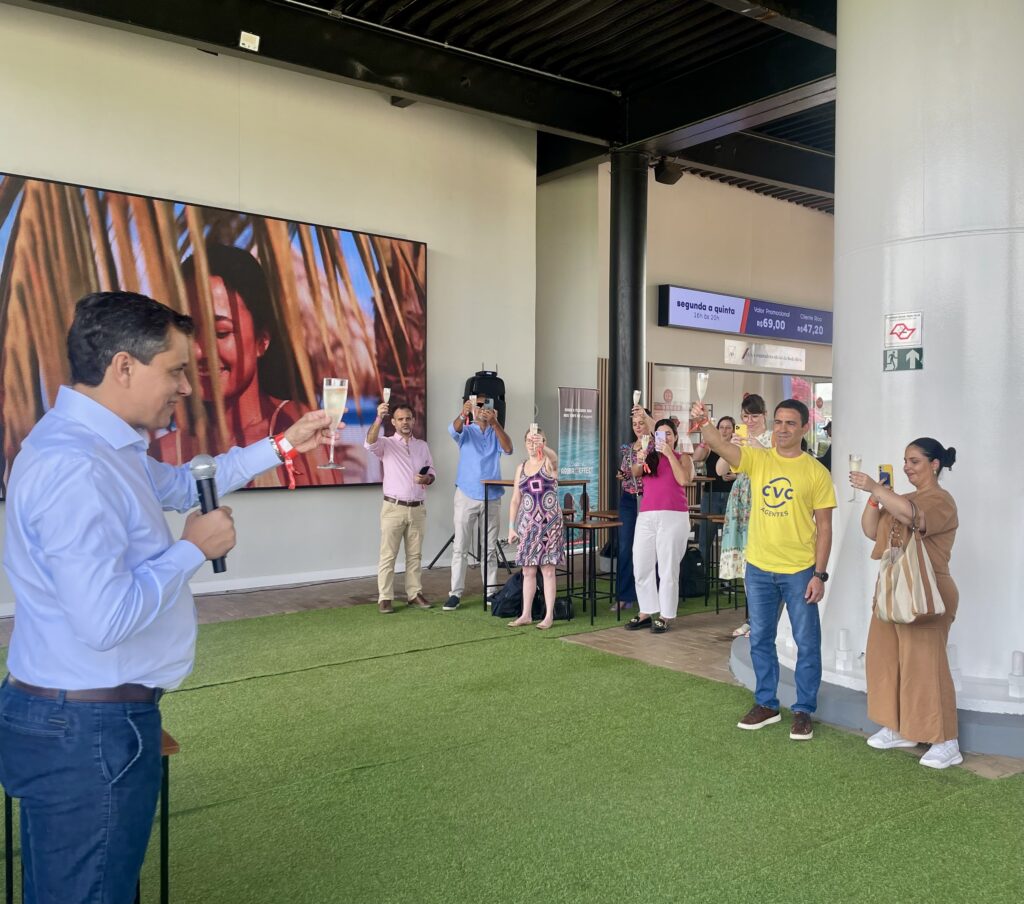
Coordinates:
[906,589]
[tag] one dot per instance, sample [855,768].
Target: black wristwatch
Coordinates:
[821,576]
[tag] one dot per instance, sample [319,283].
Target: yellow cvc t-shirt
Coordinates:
[784,493]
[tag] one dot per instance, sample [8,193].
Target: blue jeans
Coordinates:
[625,588]
[88,775]
[766,592]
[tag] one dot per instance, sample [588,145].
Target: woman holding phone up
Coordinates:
[535,523]
[662,529]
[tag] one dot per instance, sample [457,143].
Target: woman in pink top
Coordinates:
[662,529]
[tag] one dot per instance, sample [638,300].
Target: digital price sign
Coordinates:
[693,309]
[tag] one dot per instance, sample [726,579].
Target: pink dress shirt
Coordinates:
[402,463]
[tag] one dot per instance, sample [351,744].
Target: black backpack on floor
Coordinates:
[692,576]
[508,602]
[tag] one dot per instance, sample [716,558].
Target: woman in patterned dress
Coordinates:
[732,563]
[535,523]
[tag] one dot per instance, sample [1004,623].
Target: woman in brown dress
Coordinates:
[910,688]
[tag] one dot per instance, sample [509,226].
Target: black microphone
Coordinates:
[204,469]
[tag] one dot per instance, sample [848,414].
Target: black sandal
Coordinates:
[659,626]
[637,622]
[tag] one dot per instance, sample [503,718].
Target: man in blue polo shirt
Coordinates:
[481,442]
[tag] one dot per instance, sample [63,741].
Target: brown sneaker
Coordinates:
[420,602]
[385,607]
[801,729]
[758,717]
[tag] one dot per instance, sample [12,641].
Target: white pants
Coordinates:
[468,514]
[660,539]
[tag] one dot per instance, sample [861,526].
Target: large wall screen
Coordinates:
[279,305]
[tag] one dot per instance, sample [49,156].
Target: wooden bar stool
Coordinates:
[588,592]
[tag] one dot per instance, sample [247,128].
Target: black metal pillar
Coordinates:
[626,303]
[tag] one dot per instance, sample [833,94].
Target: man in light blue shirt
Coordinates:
[481,444]
[105,622]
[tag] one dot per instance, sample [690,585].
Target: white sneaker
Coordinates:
[887,739]
[942,756]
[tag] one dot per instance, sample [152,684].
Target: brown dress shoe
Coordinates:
[385,607]
[421,602]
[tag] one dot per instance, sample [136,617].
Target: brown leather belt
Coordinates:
[394,501]
[123,693]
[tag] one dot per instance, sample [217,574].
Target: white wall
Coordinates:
[700,233]
[87,104]
[569,281]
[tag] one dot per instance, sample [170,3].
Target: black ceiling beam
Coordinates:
[765,159]
[813,20]
[766,82]
[556,154]
[367,57]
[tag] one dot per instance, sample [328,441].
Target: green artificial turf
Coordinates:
[344,756]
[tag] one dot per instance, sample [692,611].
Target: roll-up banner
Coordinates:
[579,448]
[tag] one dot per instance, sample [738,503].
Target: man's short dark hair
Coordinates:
[402,406]
[799,407]
[110,322]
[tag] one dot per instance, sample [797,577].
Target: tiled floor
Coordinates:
[698,644]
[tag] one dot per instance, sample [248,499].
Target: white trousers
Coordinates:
[468,513]
[660,539]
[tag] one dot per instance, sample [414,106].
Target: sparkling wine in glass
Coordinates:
[855,465]
[385,395]
[335,397]
[472,408]
[702,389]
[702,384]
[636,397]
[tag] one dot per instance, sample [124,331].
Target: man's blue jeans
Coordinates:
[766,592]
[625,589]
[88,775]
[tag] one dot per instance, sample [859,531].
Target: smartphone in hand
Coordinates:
[885,475]
[659,436]
[425,470]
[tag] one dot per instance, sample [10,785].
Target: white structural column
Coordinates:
[930,218]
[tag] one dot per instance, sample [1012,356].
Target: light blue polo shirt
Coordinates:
[479,459]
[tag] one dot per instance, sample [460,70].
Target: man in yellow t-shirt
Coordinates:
[788,544]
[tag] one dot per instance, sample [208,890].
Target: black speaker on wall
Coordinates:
[487,384]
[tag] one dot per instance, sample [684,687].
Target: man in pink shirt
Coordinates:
[408,468]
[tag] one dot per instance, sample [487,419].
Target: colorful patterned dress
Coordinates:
[732,565]
[539,520]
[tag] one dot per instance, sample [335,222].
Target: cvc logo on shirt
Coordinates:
[777,493]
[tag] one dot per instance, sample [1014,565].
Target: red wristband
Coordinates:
[871,502]
[287,453]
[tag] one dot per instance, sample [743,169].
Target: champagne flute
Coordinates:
[702,389]
[472,408]
[385,395]
[335,397]
[702,384]
[855,465]
[636,397]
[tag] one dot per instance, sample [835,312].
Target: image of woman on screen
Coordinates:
[249,371]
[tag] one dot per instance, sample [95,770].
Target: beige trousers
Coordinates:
[910,688]
[398,523]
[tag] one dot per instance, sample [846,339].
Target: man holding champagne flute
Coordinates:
[106,621]
[787,553]
[408,470]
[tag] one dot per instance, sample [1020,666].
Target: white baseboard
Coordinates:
[259,582]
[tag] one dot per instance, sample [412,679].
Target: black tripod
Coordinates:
[476,556]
